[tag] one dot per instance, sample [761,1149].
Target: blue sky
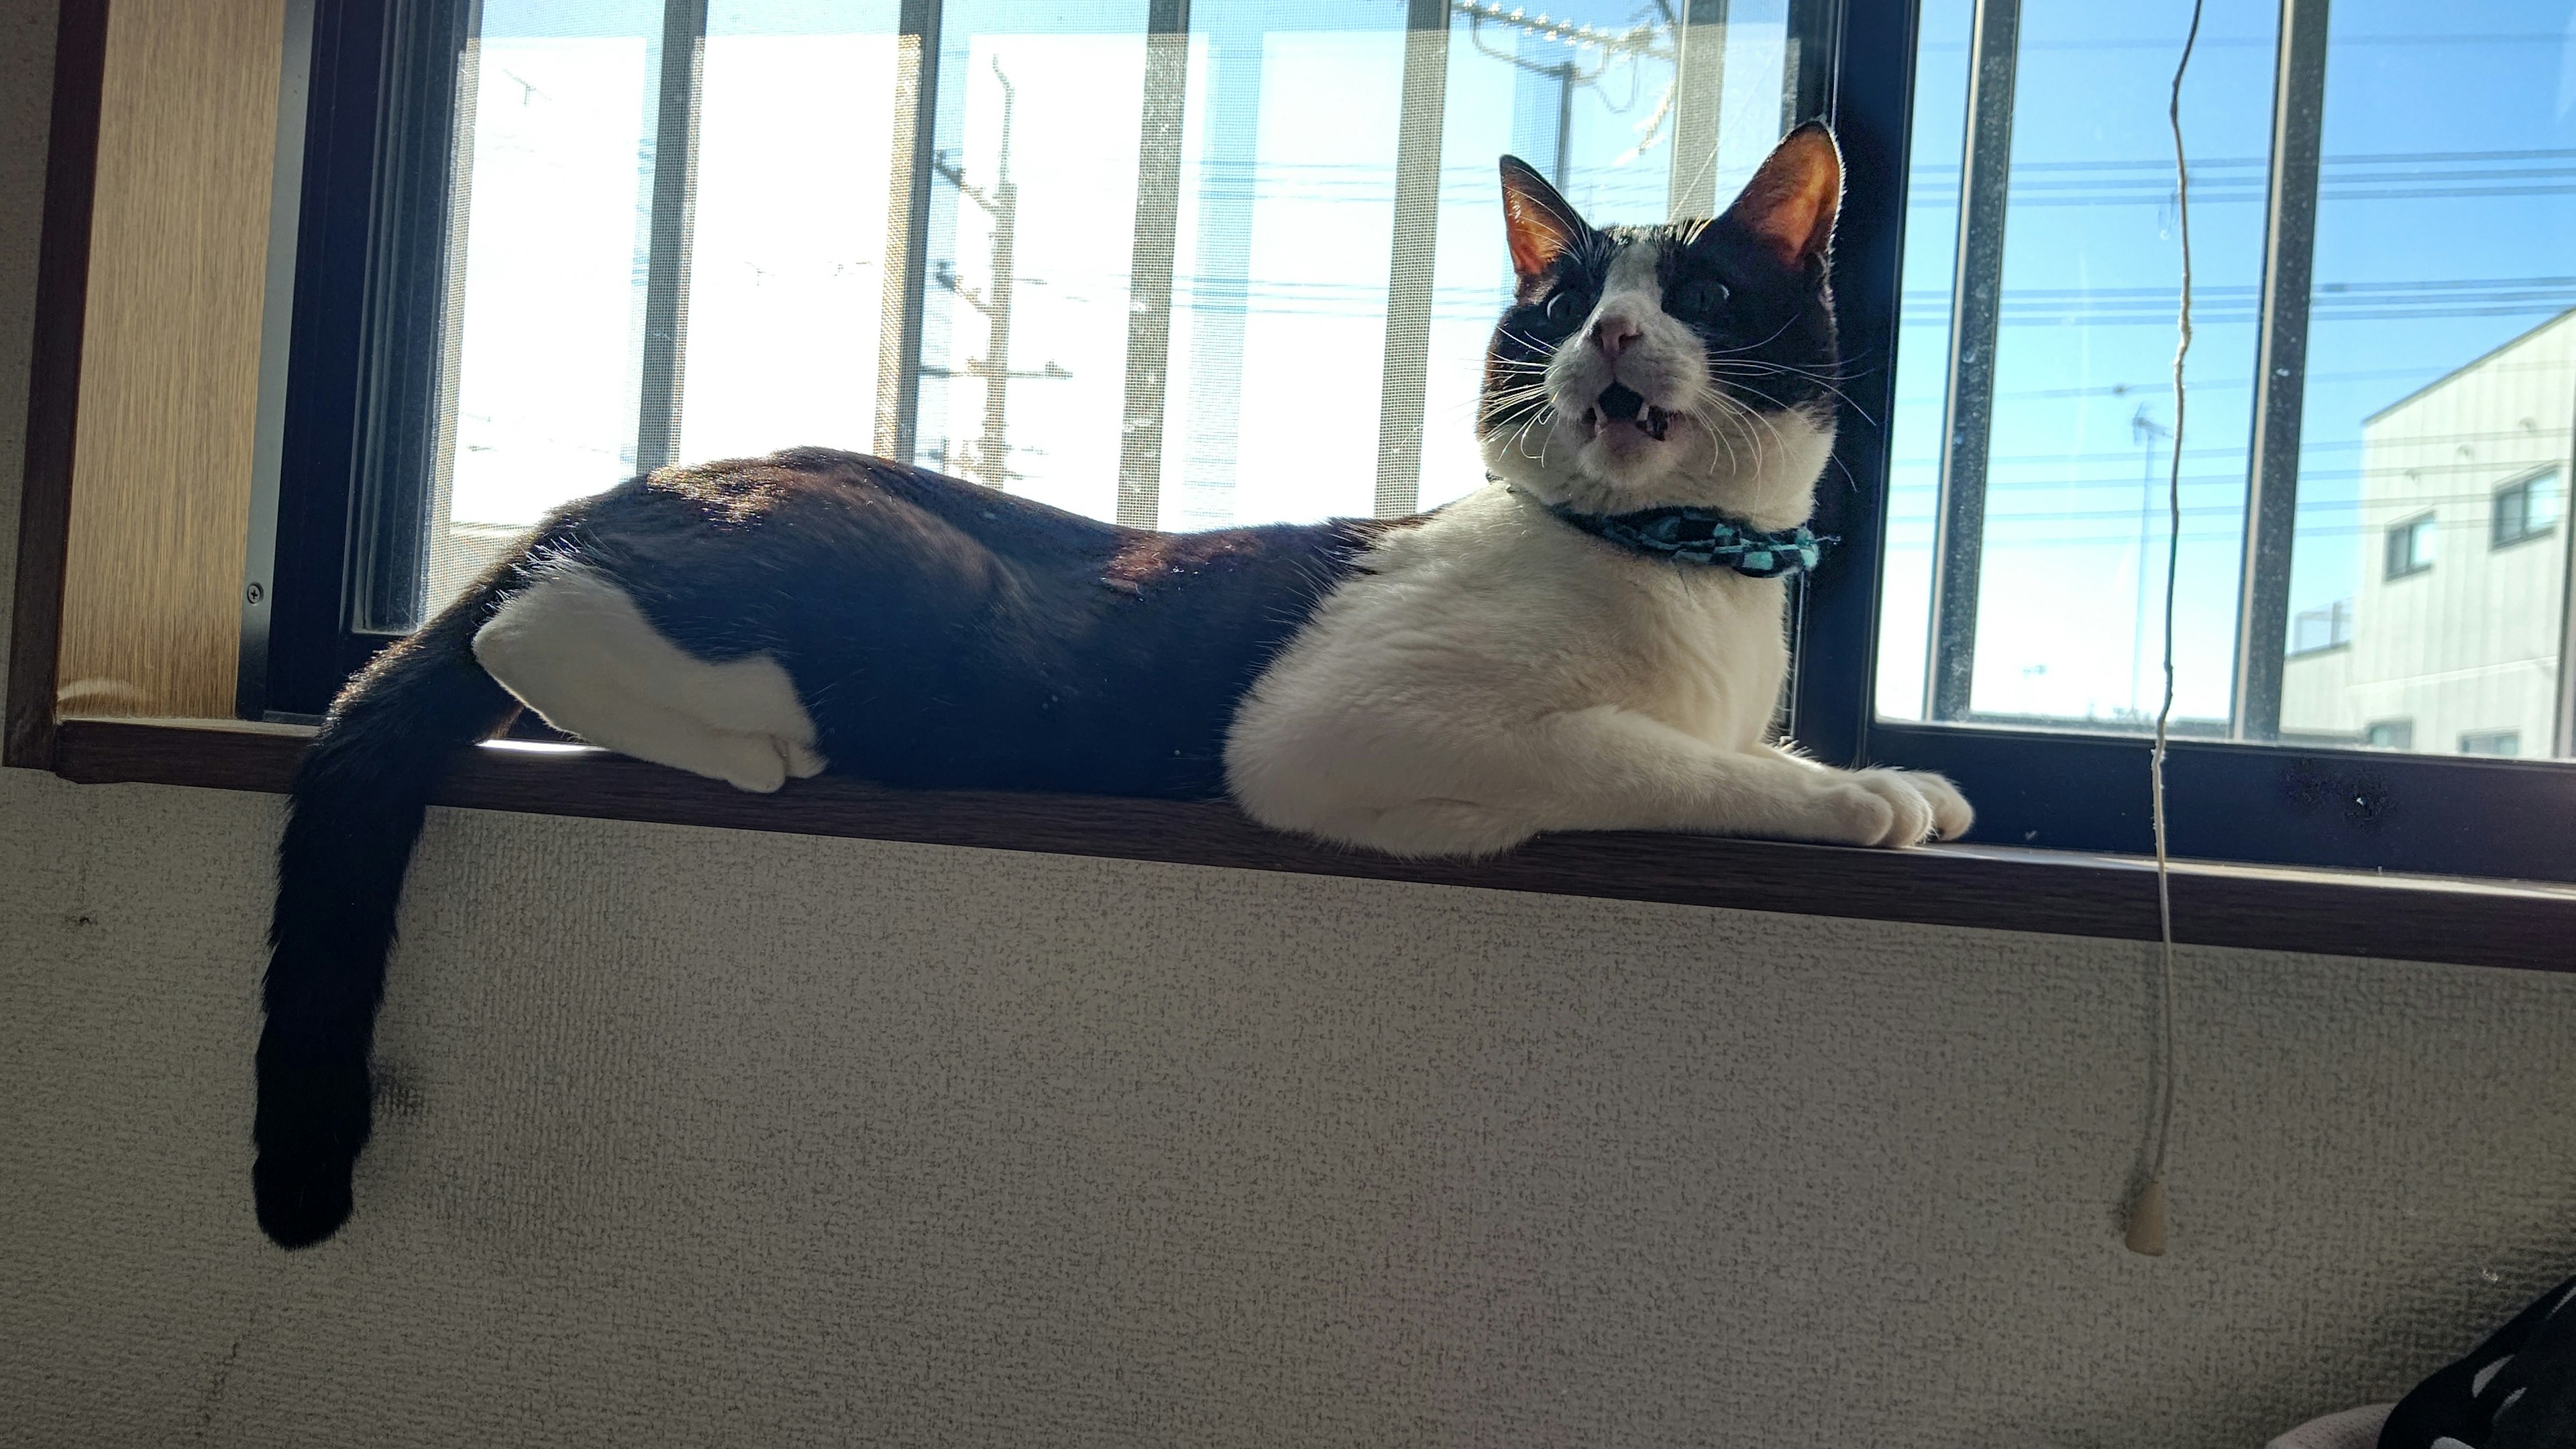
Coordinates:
[2448,202]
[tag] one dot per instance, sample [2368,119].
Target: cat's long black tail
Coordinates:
[355,813]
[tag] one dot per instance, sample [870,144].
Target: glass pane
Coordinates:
[1032,231]
[787,292]
[2067,620]
[1291,301]
[1286,217]
[2427,595]
[2441,393]
[556,183]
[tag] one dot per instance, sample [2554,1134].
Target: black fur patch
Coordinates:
[1768,327]
[946,635]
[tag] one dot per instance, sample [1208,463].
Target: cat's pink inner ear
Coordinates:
[1790,202]
[1537,222]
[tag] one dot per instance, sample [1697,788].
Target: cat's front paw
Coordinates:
[1951,812]
[1916,808]
[1909,815]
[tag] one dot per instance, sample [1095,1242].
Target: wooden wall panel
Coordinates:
[161,477]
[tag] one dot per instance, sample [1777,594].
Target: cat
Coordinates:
[1593,641]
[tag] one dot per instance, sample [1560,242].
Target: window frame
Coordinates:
[2490,737]
[2497,541]
[371,187]
[1988,882]
[2246,796]
[2399,558]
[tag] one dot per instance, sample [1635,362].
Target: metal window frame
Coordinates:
[1851,61]
[1157,233]
[2391,566]
[2521,484]
[329,395]
[680,60]
[1976,315]
[276,351]
[1402,387]
[2041,783]
[2280,370]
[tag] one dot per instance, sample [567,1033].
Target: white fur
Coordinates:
[577,650]
[1492,672]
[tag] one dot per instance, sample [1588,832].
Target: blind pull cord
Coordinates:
[2147,1212]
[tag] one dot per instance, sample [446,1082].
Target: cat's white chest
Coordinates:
[1426,677]
[1701,650]
[1537,616]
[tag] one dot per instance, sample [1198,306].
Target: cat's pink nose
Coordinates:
[1613,334]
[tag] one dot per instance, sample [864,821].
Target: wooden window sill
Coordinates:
[2479,923]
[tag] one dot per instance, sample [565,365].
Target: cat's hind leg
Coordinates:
[575,648]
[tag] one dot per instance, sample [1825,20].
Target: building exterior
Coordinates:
[2454,641]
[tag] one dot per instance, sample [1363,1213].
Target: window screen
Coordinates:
[1174,266]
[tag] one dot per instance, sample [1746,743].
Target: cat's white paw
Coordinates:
[1920,807]
[1951,812]
[748,762]
[762,763]
[1847,812]
[1910,814]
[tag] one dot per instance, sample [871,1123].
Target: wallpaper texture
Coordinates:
[693,1137]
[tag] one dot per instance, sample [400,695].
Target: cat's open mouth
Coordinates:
[1619,403]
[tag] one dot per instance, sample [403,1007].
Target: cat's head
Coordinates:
[1640,366]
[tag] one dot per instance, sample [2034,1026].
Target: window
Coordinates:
[1092,252]
[2491,742]
[2410,547]
[2363,368]
[2525,509]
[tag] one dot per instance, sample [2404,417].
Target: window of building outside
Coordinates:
[2527,509]
[2410,547]
[2389,734]
[2373,378]
[2491,742]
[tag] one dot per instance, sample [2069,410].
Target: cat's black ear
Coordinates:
[1540,224]
[1789,204]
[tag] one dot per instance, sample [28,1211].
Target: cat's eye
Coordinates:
[1566,308]
[1698,298]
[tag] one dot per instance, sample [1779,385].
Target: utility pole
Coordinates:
[990,462]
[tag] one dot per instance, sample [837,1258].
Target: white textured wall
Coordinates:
[702,1137]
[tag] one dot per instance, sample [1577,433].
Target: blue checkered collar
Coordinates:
[1691,535]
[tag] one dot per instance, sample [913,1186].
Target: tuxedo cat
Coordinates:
[1592,642]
